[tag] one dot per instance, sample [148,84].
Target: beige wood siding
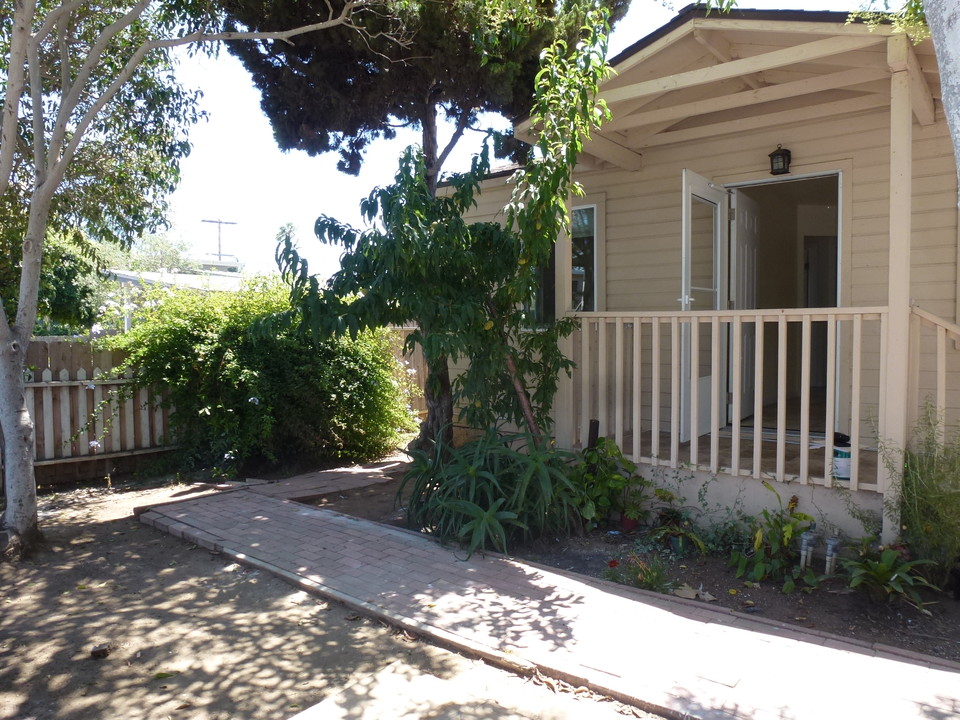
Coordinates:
[643,208]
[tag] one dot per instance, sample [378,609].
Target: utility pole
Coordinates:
[219,224]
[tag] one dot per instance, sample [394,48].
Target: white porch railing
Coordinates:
[765,388]
[934,367]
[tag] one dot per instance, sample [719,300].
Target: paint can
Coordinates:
[841,456]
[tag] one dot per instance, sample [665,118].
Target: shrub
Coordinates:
[490,492]
[243,401]
[605,480]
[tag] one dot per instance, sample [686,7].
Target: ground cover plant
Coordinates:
[242,400]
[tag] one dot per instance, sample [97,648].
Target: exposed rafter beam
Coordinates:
[770,120]
[719,47]
[807,86]
[736,68]
[902,58]
[613,152]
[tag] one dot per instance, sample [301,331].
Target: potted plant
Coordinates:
[633,507]
[608,483]
[675,525]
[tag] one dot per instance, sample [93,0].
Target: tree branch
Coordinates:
[64,47]
[39,129]
[16,73]
[462,123]
[53,17]
[57,173]
[70,100]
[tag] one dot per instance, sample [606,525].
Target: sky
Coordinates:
[236,173]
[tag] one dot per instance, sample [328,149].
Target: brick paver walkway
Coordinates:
[657,652]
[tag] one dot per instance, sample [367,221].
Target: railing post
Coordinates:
[564,421]
[893,424]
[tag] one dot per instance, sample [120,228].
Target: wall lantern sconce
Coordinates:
[779,161]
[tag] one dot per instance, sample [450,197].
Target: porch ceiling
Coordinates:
[707,76]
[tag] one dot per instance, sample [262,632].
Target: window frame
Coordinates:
[563,277]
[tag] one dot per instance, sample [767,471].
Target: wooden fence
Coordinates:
[86,427]
[83,421]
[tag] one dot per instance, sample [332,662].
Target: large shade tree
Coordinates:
[470,284]
[90,134]
[340,92]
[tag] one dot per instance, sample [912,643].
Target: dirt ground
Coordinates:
[832,608]
[194,636]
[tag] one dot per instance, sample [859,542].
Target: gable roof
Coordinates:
[710,74]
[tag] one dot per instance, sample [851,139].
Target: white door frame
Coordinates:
[698,188]
[841,411]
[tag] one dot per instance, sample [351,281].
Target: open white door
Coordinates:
[744,250]
[704,235]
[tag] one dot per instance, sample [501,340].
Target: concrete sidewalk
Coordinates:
[679,658]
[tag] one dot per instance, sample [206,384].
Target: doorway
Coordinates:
[785,254]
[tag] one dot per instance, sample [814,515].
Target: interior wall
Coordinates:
[778,265]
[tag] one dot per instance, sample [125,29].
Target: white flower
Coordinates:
[254,400]
[94,445]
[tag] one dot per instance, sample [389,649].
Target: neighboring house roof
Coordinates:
[228,281]
[708,75]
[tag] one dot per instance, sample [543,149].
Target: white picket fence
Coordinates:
[81,413]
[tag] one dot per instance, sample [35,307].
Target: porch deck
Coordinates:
[817,467]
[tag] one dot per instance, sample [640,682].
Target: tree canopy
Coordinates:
[342,91]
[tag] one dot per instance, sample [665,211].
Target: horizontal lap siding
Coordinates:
[643,208]
[643,220]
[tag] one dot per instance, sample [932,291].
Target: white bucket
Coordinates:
[841,463]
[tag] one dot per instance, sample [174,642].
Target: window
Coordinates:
[583,273]
[583,250]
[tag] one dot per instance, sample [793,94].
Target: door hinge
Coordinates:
[733,214]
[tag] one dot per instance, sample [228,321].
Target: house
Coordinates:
[735,314]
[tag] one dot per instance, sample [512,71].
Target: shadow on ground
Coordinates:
[193,635]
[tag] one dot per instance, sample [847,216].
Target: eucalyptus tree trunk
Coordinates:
[943,18]
[20,521]
[20,515]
